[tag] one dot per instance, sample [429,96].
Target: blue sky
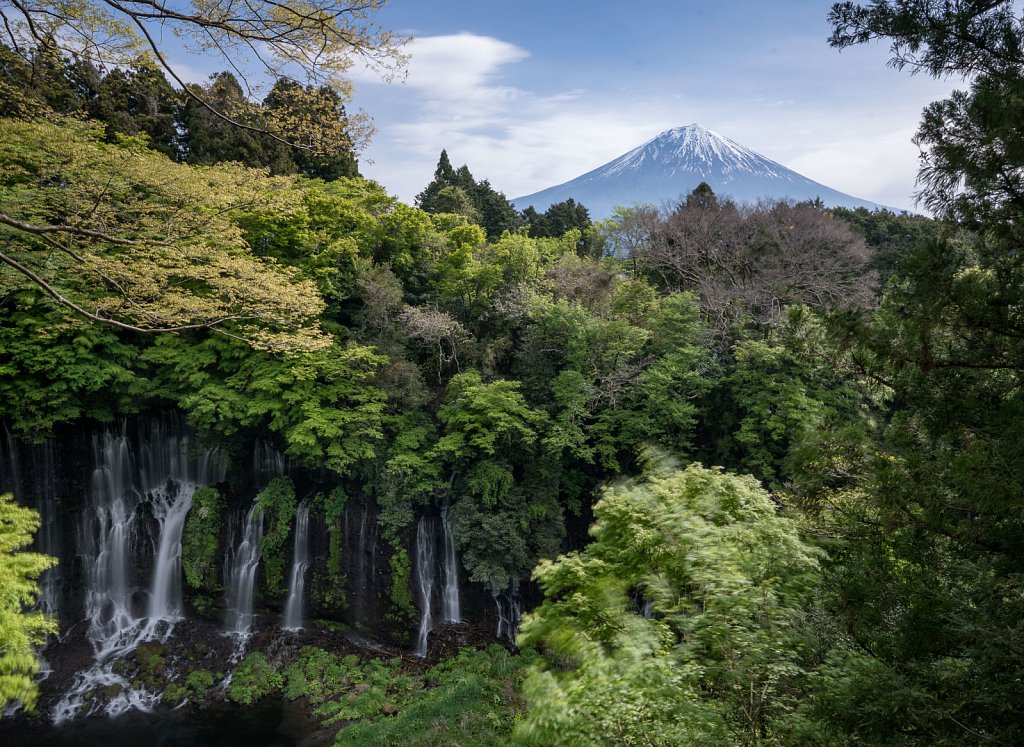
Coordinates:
[531,94]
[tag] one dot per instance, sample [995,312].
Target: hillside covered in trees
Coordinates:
[456,474]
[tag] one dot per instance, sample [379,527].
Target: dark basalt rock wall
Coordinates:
[56,478]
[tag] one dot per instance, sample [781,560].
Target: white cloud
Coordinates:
[458,66]
[186,69]
[454,98]
[457,97]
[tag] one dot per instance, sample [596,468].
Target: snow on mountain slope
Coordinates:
[673,163]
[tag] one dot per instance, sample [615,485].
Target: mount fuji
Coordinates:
[672,164]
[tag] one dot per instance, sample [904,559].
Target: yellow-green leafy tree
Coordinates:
[20,630]
[120,235]
[682,623]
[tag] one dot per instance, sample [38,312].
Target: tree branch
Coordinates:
[67,302]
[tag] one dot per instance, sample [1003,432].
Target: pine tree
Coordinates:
[933,535]
[133,101]
[455,190]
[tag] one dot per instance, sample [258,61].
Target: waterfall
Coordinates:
[156,473]
[300,562]
[424,581]
[510,613]
[48,536]
[240,573]
[165,598]
[267,463]
[450,593]
[361,531]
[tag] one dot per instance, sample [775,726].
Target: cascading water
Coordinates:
[240,569]
[643,605]
[450,593]
[48,536]
[267,463]
[510,613]
[360,532]
[425,572]
[156,473]
[300,562]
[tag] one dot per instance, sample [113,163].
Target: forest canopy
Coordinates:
[759,466]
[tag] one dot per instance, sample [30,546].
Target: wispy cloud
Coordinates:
[458,96]
[455,98]
[460,67]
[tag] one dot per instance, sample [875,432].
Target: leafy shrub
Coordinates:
[174,693]
[344,689]
[469,700]
[193,688]
[199,540]
[253,679]
[198,682]
[278,503]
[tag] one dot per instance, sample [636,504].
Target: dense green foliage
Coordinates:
[681,623]
[455,191]
[558,220]
[348,689]
[20,630]
[470,699]
[119,235]
[254,679]
[507,378]
[277,502]
[892,237]
[199,539]
[859,583]
[195,687]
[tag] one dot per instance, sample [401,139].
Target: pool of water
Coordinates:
[267,724]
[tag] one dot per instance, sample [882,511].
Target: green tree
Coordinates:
[40,78]
[444,176]
[20,631]
[497,214]
[318,113]
[680,624]
[702,197]
[456,191]
[138,100]
[929,508]
[891,236]
[558,219]
[323,404]
[212,139]
[314,41]
[120,235]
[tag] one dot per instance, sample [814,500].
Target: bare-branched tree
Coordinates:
[756,260]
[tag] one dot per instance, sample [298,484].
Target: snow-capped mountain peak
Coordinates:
[696,148]
[671,164]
